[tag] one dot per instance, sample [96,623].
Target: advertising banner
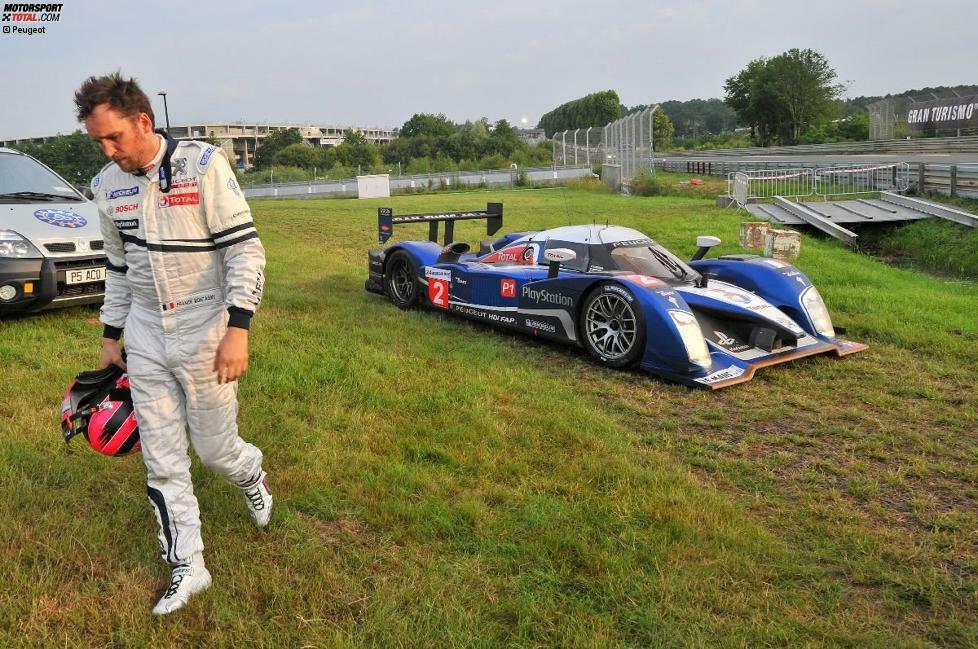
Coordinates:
[943,114]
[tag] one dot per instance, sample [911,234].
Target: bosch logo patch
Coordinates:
[61,218]
[129,207]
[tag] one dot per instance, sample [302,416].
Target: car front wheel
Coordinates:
[613,326]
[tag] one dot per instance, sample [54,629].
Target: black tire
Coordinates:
[613,326]
[401,280]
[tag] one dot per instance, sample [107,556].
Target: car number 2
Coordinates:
[438,292]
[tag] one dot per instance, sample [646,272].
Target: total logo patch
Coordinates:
[518,254]
[175,200]
[61,218]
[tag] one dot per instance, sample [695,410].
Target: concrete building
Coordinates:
[532,136]
[239,140]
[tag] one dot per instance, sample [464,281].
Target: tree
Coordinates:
[803,81]
[265,153]
[503,139]
[356,151]
[75,157]
[596,109]
[427,124]
[296,155]
[750,96]
[662,130]
[782,97]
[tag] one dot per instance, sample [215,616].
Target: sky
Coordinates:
[375,63]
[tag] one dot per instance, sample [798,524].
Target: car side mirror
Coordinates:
[704,243]
[556,257]
[86,191]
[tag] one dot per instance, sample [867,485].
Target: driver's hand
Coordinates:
[111,354]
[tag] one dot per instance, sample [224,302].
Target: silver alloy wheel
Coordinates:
[402,284]
[610,326]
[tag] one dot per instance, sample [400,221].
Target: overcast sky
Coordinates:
[375,63]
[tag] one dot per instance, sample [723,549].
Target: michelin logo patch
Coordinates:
[128,191]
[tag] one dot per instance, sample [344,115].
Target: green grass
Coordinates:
[439,483]
[933,245]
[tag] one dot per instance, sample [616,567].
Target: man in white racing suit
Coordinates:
[184,278]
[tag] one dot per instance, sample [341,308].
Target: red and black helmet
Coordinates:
[98,405]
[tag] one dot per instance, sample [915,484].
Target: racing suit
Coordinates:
[183,265]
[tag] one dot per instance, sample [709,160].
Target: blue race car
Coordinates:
[628,301]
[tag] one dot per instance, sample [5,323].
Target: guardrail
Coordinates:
[347,187]
[967,144]
[948,179]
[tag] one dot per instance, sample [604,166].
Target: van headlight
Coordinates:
[813,305]
[692,335]
[14,246]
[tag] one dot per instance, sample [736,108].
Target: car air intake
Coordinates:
[451,252]
[61,246]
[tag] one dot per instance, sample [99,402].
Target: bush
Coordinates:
[591,185]
[278,174]
[645,184]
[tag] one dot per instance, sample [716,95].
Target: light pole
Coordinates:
[165,111]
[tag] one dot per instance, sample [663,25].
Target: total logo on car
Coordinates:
[50,241]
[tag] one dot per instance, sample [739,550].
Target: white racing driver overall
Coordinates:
[184,262]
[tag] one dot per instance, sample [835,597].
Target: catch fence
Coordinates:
[625,143]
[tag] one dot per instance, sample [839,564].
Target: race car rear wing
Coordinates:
[386,221]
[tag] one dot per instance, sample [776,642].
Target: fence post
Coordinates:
[921,177]
[587,145]
[954,180]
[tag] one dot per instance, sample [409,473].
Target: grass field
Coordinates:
[439,483]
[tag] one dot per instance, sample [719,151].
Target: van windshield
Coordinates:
[24,180]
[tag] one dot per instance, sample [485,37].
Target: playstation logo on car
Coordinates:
[61,218]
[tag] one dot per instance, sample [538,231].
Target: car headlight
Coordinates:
[14,246]
[813,305]
[692,335]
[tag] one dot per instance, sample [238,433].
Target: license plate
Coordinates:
[85,275]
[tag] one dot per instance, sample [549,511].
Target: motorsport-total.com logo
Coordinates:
[26,15]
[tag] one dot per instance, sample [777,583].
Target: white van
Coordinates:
[50,242]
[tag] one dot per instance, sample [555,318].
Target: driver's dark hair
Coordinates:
[124,95]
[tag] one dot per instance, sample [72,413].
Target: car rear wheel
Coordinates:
[401,280]
[613,326]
